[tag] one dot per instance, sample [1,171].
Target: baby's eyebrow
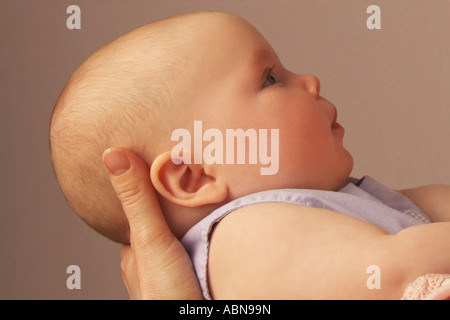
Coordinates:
[259,55]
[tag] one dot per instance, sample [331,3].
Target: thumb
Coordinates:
[130,178]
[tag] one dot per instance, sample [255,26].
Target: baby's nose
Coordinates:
[311,84]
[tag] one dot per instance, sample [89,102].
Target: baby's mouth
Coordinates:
[335,124]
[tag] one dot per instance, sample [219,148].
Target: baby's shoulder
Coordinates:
[256,217]
[245,248]
[273,241]
[268,219]
[242,240]
[269,215]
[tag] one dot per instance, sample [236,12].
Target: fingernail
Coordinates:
[116,162]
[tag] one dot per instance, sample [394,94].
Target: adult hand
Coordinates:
[155,265]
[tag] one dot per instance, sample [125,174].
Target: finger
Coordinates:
[124,281]
[125,256]
[130,178]
[126,267]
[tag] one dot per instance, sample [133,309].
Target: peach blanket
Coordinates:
[429,287]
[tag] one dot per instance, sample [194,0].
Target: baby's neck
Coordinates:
[181,219]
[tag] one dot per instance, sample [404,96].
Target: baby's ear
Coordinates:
[187,185]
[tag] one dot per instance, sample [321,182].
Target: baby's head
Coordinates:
[210,67]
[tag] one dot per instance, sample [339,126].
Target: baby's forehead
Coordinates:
[227,39]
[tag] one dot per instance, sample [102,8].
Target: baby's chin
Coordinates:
[339,181]
[341,184]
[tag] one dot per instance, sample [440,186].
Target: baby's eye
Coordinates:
[270,79]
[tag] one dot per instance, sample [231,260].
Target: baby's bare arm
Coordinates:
[434,200]
[282,251]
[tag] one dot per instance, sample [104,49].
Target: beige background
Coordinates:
[391,87]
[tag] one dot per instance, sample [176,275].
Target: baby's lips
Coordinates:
[334,122]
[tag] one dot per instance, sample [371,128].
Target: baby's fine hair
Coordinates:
[120,96]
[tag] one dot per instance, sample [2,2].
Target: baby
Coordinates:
[308,231]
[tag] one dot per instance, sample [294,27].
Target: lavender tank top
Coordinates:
[365,199]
